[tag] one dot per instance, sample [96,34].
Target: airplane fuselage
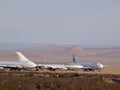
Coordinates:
[17,64]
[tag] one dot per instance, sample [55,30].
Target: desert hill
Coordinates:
[56,50]
[47,53]
[77,50]
[46,49]
[113,54]
[55,53]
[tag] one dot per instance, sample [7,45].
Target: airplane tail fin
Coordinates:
[74,59]
[21,57]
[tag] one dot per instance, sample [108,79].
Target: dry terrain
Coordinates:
[58,81]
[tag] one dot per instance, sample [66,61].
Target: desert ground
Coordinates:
[26,80]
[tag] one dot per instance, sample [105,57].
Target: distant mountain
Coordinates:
[60,54]
[54,49]
[57,53]
[77,50]
[48,49]
[115,53]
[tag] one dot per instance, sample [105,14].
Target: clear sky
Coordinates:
[81,22]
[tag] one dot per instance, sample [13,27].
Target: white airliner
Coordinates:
[64,66]
[22,62]
[88,66]
[75,65]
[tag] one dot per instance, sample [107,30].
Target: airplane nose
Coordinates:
[100,66]
[32,64]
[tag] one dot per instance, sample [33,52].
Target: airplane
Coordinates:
[64,66]
[74,65]
[22,63]
[88,66]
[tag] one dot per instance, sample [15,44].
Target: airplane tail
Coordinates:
[74,59]
[21,57]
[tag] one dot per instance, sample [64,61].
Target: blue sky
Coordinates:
[81,22]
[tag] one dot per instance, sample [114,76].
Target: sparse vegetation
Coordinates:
[57,81]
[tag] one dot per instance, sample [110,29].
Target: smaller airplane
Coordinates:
[89,66]
[64,66]
[22,63]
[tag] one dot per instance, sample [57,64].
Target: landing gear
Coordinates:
[51,69]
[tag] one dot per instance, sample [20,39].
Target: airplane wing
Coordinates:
[53,66]
[8,64]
